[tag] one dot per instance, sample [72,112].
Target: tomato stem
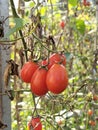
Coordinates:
[35,109]
[40,41]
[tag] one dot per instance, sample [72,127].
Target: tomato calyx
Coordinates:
[61,61]
[44,67]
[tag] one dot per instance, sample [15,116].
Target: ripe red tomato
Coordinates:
[62,24]
[92,123]
[95,97]
[56,58]
[86,3]
[57,79]
[60,122]
[90,112]
[35,123]
[29,126]
[27,71]
[38,82]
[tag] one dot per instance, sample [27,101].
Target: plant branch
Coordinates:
[20,31]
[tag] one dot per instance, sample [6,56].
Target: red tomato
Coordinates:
[59,122]
[57,79]
[36,123]
[44,63]
[56,58]
[90,112]
[86,3]
[62,24]
[27,71]
[92,123]
[95,97]
[29,126]
[38,82]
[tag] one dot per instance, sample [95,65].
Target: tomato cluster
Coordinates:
[48,75]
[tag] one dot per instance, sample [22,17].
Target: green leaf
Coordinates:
[31,4]
[68,55]
[43,11]
[72,2]
[80,26]
[19,24]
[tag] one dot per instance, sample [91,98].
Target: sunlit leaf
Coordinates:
[80,25]
[31,4]
[72,2]
[43,10]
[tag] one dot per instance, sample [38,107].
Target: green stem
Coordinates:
[20,32]
[35,110]
[13,9]
[39,40]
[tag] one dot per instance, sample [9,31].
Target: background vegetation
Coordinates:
[36,31]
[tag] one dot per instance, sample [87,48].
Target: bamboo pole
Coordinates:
[5,105]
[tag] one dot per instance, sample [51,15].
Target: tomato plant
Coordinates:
[27,71]
[57,79]
[38,82]
[46,34]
